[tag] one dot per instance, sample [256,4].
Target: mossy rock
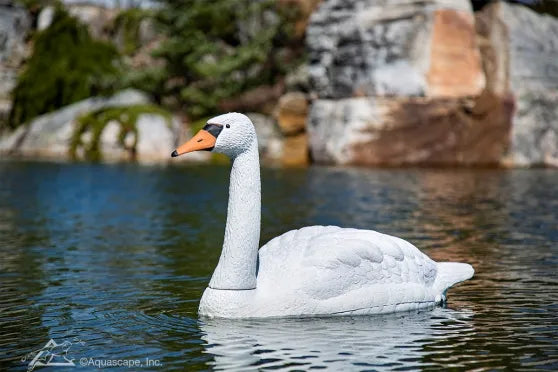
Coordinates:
[96,121]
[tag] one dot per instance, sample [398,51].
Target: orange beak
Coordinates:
[203,140]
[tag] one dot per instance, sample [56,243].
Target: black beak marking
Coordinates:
[174,154]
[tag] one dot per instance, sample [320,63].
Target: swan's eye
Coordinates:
[228,125]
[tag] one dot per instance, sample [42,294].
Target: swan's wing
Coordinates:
[329,261]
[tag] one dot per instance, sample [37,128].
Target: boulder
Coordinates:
[394,48]
[292,113]
[45,18]
[49,135]
[270,140]
[409,131]
[278,149]
[295,150]
[520,50]
[156,138]
[298,79]
[109,145]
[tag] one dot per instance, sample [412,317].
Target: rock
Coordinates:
[295,150]
[86,138]
[98,19]
[396,48]
[298,79]
[157,137]
[409,131]
[44,20]
[109,145]
[49,135]
[521,52]
[274,147]
[292,113]
[270,141]
[15,23]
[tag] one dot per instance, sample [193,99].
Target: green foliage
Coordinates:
[215,50]
[96,121]
[128,22]
[67,65]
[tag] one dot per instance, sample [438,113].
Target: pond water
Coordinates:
[114,258]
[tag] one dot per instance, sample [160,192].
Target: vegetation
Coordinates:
[96,121]
[67,65]
[218,49]
[128,24]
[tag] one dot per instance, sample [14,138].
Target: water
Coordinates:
[117,256]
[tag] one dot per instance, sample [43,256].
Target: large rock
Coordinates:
[521,54]
[277,149]
[409,131]
[15,23]
[394,48]
[295,150]
[157,137]
[292,113]
[50,135]
[270,140]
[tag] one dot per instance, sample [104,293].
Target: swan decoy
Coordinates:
[313,271]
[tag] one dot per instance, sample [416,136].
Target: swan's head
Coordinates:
[230,134]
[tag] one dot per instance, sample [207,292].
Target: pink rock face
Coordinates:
[410,131]
[455,61]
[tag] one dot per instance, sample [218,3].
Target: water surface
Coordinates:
[117,256]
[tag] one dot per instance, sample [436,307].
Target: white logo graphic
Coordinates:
[52,354]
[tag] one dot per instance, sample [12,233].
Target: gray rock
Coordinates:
[44,20]
[524,64]
[533,69]
[270,140]
[298,79]
[157,138]
[49,135]
[384,48]
[109,144]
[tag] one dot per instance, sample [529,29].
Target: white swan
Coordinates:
[317,270]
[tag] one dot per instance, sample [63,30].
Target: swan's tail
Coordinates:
[450,273]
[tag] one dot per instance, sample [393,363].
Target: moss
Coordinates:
[67,65]
[96,121]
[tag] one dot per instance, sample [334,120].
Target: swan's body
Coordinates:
[317,270]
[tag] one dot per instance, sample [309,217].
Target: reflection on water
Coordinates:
[118,256]
[397,340]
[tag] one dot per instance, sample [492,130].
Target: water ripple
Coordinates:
[117,256]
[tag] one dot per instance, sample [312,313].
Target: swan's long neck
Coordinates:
[237,266]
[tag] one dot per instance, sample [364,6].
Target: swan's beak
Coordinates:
[203,140]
